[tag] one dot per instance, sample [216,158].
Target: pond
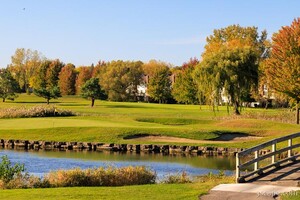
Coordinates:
[41,162]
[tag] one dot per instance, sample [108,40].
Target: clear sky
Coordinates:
[85,31]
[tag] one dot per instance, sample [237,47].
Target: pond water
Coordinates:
[41,162]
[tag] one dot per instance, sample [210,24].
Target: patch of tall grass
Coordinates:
[36,111]
[177,178]
[110,176]
[77,177]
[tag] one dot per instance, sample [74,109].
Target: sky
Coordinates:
[83,32]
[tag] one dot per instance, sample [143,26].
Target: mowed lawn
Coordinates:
[114,122]
[188,191]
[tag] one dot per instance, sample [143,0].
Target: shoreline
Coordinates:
[134,148]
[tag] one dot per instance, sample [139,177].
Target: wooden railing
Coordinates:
[257,158]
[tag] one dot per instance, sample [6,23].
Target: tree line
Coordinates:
[238,65]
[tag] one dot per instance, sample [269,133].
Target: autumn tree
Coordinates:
[92,90]
[25,63]
[120,79]
[229,66]
[184,88]
[159,84]
[67,79]
[99,68]
[283,67]
[83,74]
[45,84]
[8,85]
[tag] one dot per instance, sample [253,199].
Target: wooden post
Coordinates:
[273,150]
[256,163]
[237,169]
[290,143]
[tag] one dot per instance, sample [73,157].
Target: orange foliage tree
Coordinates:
[283,66]
[67,78]
[84,74]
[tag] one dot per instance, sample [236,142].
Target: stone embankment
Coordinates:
[137,148]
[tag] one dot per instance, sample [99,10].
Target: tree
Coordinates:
[48,93]
[159,85]
[67,80]
[8,85]
[24,64]
[52,74]
[84,74]
[92,90]
[229,66]
[44,83]
[283,66]
[184,88]
[120,79]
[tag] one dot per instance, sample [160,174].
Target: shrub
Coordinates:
[110,176]
[25,181]
[36,111]
[177,178]
[7,171]
[13,177]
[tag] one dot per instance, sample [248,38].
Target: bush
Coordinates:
[36,111]
[9,172]
[13,177]
[177,178]
[101,177]
[25,181]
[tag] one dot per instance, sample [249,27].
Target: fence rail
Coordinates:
[257,158]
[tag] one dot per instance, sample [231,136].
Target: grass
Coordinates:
[189,191]
[295,195]
[113,122]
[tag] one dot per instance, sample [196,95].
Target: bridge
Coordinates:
[264,175]
[280,166]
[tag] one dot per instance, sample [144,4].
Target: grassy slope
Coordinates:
[112,121]
[158,191]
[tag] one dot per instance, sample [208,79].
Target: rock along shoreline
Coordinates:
[134,148]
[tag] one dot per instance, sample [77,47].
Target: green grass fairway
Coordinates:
[189,191]
[114,121]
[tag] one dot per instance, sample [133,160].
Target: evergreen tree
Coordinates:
[92,90]
[8,85]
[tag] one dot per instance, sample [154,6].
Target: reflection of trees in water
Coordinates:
[198,161]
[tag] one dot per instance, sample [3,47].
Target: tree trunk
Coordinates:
[297,112]
[48,101]
[93,102]
[3,99]
[236,108]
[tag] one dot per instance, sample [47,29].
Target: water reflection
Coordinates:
[40,162]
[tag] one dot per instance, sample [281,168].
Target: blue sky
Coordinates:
[85,31]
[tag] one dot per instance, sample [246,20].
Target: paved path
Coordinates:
[248,191]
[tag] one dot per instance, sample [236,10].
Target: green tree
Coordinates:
[8,85]
[159,84]
[283,66]
[229,65]
[184,88]
[92,90]
[67,80]
[48,93]
[45,84]
[120,79]
[24,64]
[52,74]
[7,171]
